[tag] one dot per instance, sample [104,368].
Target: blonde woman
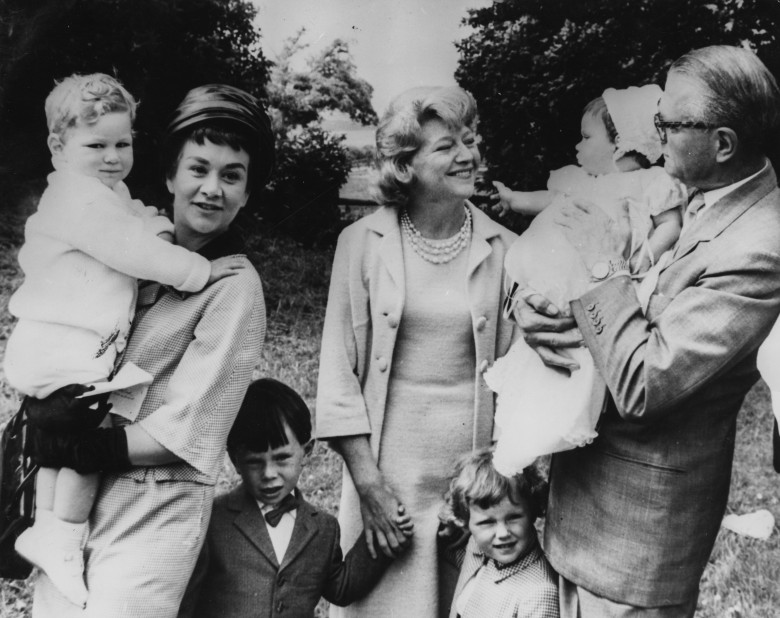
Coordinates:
[413,319]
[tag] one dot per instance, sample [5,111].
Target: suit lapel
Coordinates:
[385,222]
[720,215]
[481,295]
[249,520]
[303,532]
[480,247]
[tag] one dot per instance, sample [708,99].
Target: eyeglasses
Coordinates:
[661,126]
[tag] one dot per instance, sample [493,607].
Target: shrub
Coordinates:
[302,198]
[533,65]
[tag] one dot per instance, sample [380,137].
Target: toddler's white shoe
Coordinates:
[55,548]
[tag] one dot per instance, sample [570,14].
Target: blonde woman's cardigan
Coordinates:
[365,305]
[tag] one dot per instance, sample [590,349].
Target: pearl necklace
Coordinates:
[433,250]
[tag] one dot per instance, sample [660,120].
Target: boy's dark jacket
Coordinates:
[238,576]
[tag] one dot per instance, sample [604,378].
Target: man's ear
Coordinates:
[55,144]
[727,142]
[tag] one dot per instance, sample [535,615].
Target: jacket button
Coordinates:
[591,306]
[382,364]
[599,328]
[483,366]
[481,323]
[392,321]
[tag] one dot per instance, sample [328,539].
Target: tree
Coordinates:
[533,65]
[312,164]
[158,48]
[330,84]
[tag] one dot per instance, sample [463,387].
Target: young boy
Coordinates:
[504,573]
[268,552]
[84,248]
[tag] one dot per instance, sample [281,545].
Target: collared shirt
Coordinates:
[526,588]
[281,533]
[710,197]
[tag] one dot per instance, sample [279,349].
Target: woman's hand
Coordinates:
[380,510]
[225,267]
[594,234]
[95,450]
[545,330]
[383,514]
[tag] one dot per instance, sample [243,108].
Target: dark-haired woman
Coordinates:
[161,463]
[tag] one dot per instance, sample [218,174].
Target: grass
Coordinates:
[741,580]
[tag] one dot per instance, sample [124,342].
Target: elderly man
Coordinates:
[633,517]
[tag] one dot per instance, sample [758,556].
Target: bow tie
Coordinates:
[290,503]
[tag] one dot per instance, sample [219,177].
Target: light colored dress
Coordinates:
[367,300]
[541,410]
[427,427]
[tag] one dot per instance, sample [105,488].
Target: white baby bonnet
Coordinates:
[632,111]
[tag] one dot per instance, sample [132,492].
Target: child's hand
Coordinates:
[450,526]
[504,198]
[225,267]
[450,530]
[167,237]
[404,523]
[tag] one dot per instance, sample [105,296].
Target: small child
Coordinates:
[541,410]
[84,248]
[504,573]
[266,547]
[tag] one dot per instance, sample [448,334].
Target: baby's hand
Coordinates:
[146,212]
[639,262]
[503,197]
[225,267]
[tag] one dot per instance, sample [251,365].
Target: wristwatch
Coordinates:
[608,268]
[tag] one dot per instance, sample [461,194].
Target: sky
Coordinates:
[396,44]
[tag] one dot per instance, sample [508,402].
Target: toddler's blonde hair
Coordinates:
[85,98]
[477,482]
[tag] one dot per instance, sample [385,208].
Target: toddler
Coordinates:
[268,551]
[542,410]
[84,248]
[504,573]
